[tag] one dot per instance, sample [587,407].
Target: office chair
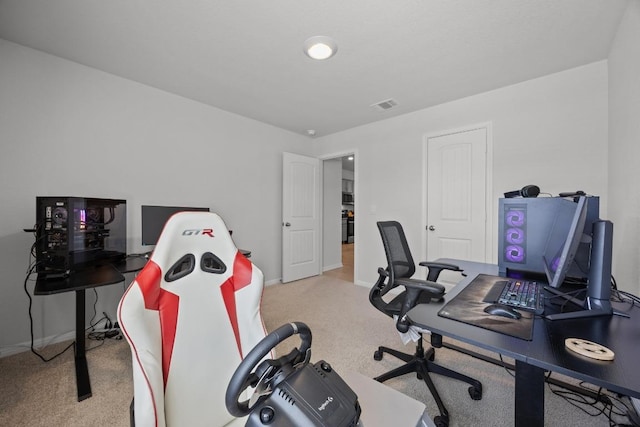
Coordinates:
[400,268]
[190,317]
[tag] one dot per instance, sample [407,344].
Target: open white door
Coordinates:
[300,217]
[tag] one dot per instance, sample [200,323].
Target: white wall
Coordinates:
[331,216]
[69,130]
[624,149]
[550,131]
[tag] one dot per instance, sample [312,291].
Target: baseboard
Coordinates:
[273,282]
[332,267]
[37,344]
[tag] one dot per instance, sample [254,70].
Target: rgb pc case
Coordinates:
[524,225]
[75,232]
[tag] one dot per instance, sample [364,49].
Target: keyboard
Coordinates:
[522,294]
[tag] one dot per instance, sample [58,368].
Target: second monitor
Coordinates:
[154,218]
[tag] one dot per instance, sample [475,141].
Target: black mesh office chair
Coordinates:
[398,273]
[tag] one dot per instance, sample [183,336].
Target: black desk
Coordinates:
[546,352]
[79,281]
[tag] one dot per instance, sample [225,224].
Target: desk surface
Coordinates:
[79,280]
[90,277]
[547,350]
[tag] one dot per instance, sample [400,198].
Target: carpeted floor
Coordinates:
[346,330]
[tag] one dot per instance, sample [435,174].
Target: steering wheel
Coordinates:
[268,373]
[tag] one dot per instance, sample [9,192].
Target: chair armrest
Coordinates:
[435,290]
[414,289]
[435,268]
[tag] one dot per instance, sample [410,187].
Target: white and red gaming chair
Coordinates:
[190,317]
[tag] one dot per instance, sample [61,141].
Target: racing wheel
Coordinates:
[268,373]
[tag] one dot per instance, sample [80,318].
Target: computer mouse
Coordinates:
[503,311]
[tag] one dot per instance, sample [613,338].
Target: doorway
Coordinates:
[339,225]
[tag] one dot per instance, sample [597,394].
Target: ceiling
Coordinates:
[245,56]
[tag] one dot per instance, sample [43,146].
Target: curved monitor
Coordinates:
[562,244]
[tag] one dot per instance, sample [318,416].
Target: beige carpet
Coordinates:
[346,330]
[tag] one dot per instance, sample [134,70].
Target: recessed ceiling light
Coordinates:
[320,47]
[311,132]
[350,158]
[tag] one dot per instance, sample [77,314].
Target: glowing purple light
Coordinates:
[514,253]
[515,218]
[515,236]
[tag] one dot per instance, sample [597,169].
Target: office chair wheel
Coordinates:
[475,393]
[441,421]
[377,355]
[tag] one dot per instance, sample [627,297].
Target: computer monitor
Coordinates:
[559,259]
[154,218]
[562,245]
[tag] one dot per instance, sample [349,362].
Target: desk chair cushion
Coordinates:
[190,316]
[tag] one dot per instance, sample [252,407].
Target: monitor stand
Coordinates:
[590,307]
[598,301]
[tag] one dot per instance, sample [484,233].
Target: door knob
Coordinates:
[287,224]
[432,228]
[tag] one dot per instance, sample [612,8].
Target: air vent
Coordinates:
[385,105]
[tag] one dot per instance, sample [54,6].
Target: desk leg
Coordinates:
[529,404]
[82,370]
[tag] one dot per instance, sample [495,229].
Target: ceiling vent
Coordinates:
[385,105]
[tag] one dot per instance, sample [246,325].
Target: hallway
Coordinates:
[346,272]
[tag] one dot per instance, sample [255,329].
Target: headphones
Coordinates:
[526,191]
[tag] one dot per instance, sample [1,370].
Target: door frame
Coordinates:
[490,206]
[331,156]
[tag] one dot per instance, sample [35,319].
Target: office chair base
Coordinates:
[421,364]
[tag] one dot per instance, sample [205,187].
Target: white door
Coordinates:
[300,217]
[456,173]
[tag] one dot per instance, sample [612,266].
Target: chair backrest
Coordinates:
[400,263]
[190,317]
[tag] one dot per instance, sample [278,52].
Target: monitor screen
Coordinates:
[154,218]
[563,243]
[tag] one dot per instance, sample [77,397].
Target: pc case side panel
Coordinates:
[523,232]
[74,232]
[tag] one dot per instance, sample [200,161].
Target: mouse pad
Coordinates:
[468,307]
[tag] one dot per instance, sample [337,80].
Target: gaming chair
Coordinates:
[190,317]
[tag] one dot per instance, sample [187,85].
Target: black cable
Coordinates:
[33,350]
[610,405]
[609,408]
[32,267]
[504,365]
[95,312]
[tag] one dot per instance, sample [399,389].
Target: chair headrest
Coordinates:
[195,233]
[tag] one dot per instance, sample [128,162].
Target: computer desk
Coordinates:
[546,351]
[80,281]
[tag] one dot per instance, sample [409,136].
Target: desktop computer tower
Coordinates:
[524,225]
[75,232]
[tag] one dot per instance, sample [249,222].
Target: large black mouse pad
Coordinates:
[468,307]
